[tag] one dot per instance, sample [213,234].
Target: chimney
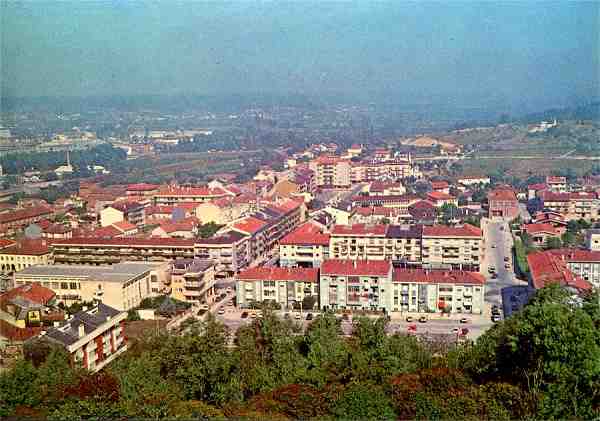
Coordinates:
[81,330]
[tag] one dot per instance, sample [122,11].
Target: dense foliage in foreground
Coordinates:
[542,363]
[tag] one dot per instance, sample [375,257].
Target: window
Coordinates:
[64,285]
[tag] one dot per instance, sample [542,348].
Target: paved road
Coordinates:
[498,245]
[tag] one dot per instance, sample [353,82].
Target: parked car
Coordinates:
[493,246]
[464,320]
[253,315]
[455,330]
[494,275]
[244,315]
[506,258]
[409,319]
[221,311]
[229,303]
[496,318]
[297,316]
[491,269]
[309,316]
[495,309]
[228,289]
[423,319]
[286,316]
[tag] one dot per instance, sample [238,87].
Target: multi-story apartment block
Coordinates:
[103,251]
[306,246]
[92,337]
[193,281]
[574,205]
[122,286]
[402,202]
[556,183]
[503,203]
[331,172]
[459,247]
[173,195]
[421,290]
[285,286]
[132,212]
[398,243]
[583,263]
[230,251]
[388,169]
[355,285]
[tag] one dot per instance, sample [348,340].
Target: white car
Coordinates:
[221,311]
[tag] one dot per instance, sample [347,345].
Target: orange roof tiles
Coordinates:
[308,233]
[249,225]
[125,242]
[192,191]
[539,228]
[33,292]
[359,229]
[466,230]
[124,226]
[142,187]
[437,276]
[28,247]
[22,214]
[279,274]
[546,268]
[504,194]
[438,195]
[356,267]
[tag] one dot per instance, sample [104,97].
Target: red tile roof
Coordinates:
[109,231]
[576,255]
[142,187]
[437,276]
[546,268]
[439,185]
[22,214]
[360,229]
[538,186]
[4,242]
[125,242]
[504,194]
[279,274]
[249,225]
[466,230]
[540,228]
[124,226]
[356,267]
[438,195]
[550,179]
[550,196]
[28,247]
[306,234]
[34,292]
[192,191]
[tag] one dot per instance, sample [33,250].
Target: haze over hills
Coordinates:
[513,59]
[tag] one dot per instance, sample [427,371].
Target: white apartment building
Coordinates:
[285,286]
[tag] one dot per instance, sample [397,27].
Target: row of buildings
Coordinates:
[374,285]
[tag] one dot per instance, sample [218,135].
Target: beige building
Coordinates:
[122,286]
[24,254]
[459,247]
[285,286]
[193,281]
[331,171]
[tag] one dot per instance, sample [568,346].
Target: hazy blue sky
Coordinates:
[537,52]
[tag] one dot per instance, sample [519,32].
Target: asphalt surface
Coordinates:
[498,245]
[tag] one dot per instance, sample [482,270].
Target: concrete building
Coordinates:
[93,337]
[541,232]
[421,290]
[285,286]
[132,212]
[306,246]
[503,203]
[331,172]
[230,251]
[583,263]
[592,239]
[458,247]
[193,281]
[573,205]
[122,286]
[23,254]
[176,194]
[355,285]
[107,251]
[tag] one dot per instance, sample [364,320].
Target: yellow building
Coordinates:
[24,254]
